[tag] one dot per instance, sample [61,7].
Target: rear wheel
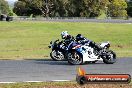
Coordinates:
[57,55]
[110,58]
[74,58]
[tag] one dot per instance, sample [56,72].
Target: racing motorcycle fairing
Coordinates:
[87,53]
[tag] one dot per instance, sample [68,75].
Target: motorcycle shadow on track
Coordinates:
[51,62]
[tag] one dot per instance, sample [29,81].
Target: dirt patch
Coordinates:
[121,46]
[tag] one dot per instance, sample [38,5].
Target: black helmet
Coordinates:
[79,37]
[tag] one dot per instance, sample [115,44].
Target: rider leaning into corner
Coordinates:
[67,38]
[70,43]
[79,39]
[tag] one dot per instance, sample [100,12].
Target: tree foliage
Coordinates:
[70,8]
[129,9]
[4,7]
[25,8]
[117,8]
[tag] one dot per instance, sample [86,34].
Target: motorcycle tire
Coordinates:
[75,59]
[110,58]
[55,57]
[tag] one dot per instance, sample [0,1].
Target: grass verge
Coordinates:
[63,85]
[29,39]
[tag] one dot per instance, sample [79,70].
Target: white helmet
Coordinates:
[64,34]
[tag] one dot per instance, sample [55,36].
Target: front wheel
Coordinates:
[110,58]
[57,55]
[74,58]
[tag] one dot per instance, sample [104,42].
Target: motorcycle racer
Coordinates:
[78,50]
[67,38]
[81,39]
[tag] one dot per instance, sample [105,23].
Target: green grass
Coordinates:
[30,40]
[36,85]
[63,85]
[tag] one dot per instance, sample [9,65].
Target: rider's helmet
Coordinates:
[64,34]
[80,37]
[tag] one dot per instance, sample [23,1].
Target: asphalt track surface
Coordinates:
[48,70]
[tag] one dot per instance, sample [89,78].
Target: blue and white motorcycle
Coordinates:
[79,54]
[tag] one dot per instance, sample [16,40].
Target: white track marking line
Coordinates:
[36,81]
[7,82]
[60,80]
[33,81]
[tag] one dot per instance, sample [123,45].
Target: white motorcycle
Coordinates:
[79,54]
